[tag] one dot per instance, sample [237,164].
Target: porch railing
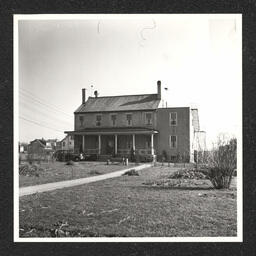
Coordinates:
[123,151]
[126,151]
[91,151]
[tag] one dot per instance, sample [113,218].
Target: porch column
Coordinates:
[83,142]
[115,144]
[99,139]
[133,142]
[152,144]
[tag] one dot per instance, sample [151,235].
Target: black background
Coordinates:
[8,8]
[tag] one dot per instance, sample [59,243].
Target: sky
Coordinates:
[197,57]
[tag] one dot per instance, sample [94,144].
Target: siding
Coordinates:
[182,131]
[138,120]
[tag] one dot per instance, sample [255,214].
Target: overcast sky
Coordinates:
[198,57]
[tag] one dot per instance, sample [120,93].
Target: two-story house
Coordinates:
[114,125]
[67,143]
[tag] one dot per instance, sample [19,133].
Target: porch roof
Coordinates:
[113,130]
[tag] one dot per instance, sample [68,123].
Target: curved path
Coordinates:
[24,191]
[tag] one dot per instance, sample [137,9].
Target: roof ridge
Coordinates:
[90,97]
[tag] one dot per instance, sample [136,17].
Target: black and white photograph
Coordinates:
[128,128]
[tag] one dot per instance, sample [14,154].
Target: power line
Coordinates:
[39,101]
[45,105]
[40,124]
[57,120]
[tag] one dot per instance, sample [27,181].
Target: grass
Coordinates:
[125,207]
[59,171]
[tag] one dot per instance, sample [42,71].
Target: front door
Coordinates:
[110,147]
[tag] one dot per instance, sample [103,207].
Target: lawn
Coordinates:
[59,171]
[127,207]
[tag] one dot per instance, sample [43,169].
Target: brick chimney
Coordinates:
[159,90]
[83,95]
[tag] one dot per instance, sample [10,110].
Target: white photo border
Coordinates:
[16,19]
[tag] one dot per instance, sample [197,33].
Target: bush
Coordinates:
[164,156]
[131,172]
[188,174]
[30,170]
[222,163]
[69,162]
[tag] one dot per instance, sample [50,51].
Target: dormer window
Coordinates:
[113,119]
[129,119]
[148,118]
[98,120]
[173,118]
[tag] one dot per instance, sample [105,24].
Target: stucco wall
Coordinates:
[181,130]
[138,119]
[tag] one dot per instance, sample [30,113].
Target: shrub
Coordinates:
[69,162]
[131,172]
[222,163]
[187,174]
[164,156]
[30,170]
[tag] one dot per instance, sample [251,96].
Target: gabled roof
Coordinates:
[41,142]
[120,103]
[51,140]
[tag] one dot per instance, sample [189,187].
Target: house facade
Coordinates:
[67,143]
[118,125]
[37,147]
[51,144]
[41,148]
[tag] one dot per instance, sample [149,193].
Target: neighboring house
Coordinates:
[58,145]
[51,144]
[114,125]
[68,143]
[23,147]
[41,148]
[37,146]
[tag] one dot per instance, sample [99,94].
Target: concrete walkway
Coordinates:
[24,191]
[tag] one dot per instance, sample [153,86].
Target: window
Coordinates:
[81,119]
[98,120]
[63,143]
[173,141]
[129,119]
[173,118]
[113,119]
[72,137]
[148,118]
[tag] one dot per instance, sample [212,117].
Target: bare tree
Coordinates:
[222,162]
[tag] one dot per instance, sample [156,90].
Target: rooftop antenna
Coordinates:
[166,89]
[91,90]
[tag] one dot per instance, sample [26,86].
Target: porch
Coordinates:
[115,142]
